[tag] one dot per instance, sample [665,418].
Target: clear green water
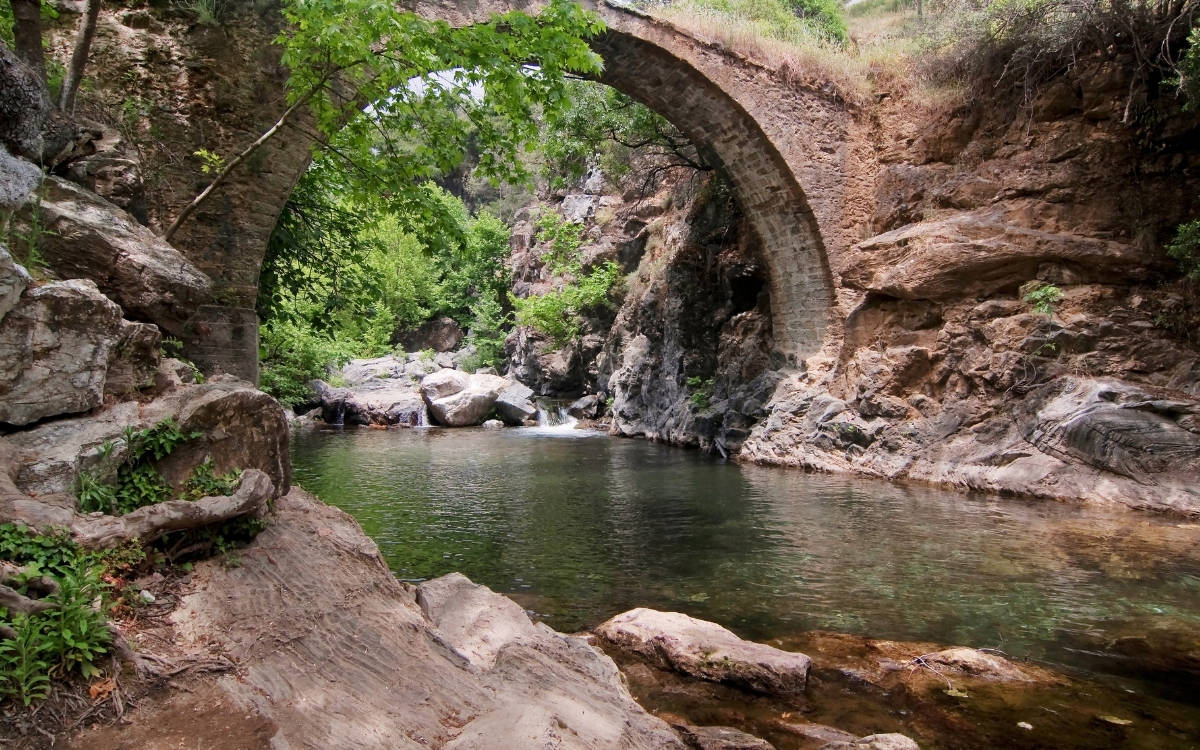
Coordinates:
[580,528]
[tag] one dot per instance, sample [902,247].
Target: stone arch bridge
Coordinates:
[786,147]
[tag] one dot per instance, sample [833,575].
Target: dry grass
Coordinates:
[880,56]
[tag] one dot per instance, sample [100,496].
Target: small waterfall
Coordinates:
[422,416]
[339,414]
[552,414]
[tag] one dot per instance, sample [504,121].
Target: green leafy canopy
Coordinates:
[430,86]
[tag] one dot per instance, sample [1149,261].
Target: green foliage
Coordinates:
[205,482]
[702,391]
[208,12]
[605,128]
[26,243]
[1188,72]
[558,313]
[1185,248]
[489,328]
[494,77]
[1043,297]
[138,481]
[73,635]
[341,277]
[210,162]
[785,20]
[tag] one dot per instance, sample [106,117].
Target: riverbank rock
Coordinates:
[55,346]
[890,741]
[88,237]
[449,664]
[242,428]
[706,650]
[514,404]
[720,738]
[456,399]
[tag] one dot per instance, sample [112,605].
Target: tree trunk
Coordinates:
[27,34]
[79,57]
[920,9]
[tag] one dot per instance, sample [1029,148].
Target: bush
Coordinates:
[1185,248]
[1004,46]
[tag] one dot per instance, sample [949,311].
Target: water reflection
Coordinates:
[580,529]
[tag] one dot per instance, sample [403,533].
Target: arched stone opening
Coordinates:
[645,59]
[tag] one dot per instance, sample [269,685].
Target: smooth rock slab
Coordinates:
[706,650]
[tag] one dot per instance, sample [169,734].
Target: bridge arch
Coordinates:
[762,152]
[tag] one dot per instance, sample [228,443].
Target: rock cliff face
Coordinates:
[686,357]
[940,369]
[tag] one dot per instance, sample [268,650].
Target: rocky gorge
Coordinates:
[935,368]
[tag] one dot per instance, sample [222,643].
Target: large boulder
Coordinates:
[515,404]
[979,253]
[440,334]
[88,237]
[456,399]
[241,428]
[385,402]
[55,347]
[359,371]
[706,650]
[554,685]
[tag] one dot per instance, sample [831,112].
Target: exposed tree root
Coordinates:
[153,521]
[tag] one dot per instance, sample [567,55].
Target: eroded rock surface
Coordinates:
[706,650]
[54,351]
[468,670]
[88,237]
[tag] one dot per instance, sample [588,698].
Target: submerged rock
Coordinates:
[890,741]
[706,650]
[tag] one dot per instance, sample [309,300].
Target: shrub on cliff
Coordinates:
[1002,46]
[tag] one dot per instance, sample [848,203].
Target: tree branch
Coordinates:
[79,57]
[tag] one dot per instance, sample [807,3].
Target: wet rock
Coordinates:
[720,738]
[891,741]
[976,663]
[979,253]
[514,404]
[706,650]
[89,237]
[54,351]
[441,334]
[382,402]
[493,424]
[587,407]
